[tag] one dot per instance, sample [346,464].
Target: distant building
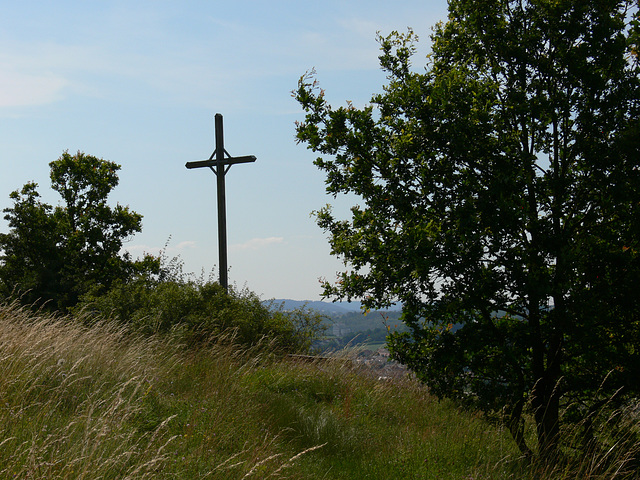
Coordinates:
[383,352]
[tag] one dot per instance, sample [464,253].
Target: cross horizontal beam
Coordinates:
[226,161]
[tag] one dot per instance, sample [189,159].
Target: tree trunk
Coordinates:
[516,427]
[546,409]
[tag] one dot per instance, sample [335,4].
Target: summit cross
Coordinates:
[222,165]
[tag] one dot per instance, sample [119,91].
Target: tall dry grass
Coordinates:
[87,399]
[69,396]
[81,399]
[611,452]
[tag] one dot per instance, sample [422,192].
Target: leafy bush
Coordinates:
[197,309]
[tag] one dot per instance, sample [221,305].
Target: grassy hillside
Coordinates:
[98,401]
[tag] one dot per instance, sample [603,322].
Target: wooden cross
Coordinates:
[222,164]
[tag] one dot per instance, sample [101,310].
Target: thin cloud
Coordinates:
[22,89]
[258,243]
[186,244]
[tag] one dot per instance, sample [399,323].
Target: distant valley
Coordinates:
[347,324]
[327,308]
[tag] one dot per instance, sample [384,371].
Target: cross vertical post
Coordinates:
[222,203]
[222,164]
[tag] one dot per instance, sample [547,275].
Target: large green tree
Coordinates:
[54,255]
[500,192]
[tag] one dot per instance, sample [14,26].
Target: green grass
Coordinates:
[102,402]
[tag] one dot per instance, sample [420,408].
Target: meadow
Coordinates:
[82,398]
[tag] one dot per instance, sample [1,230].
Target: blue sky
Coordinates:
[139,82]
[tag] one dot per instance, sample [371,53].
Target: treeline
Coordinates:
[365,337]
[359,328]
[367,320]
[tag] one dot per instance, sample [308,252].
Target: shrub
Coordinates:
[196,310]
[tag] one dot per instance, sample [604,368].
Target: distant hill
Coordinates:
[327,308]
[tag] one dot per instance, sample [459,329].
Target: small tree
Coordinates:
[56,254]
[501,206]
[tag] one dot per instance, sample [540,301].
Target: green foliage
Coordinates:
[30,259]
[197,311]
[52,256]
[505,178]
